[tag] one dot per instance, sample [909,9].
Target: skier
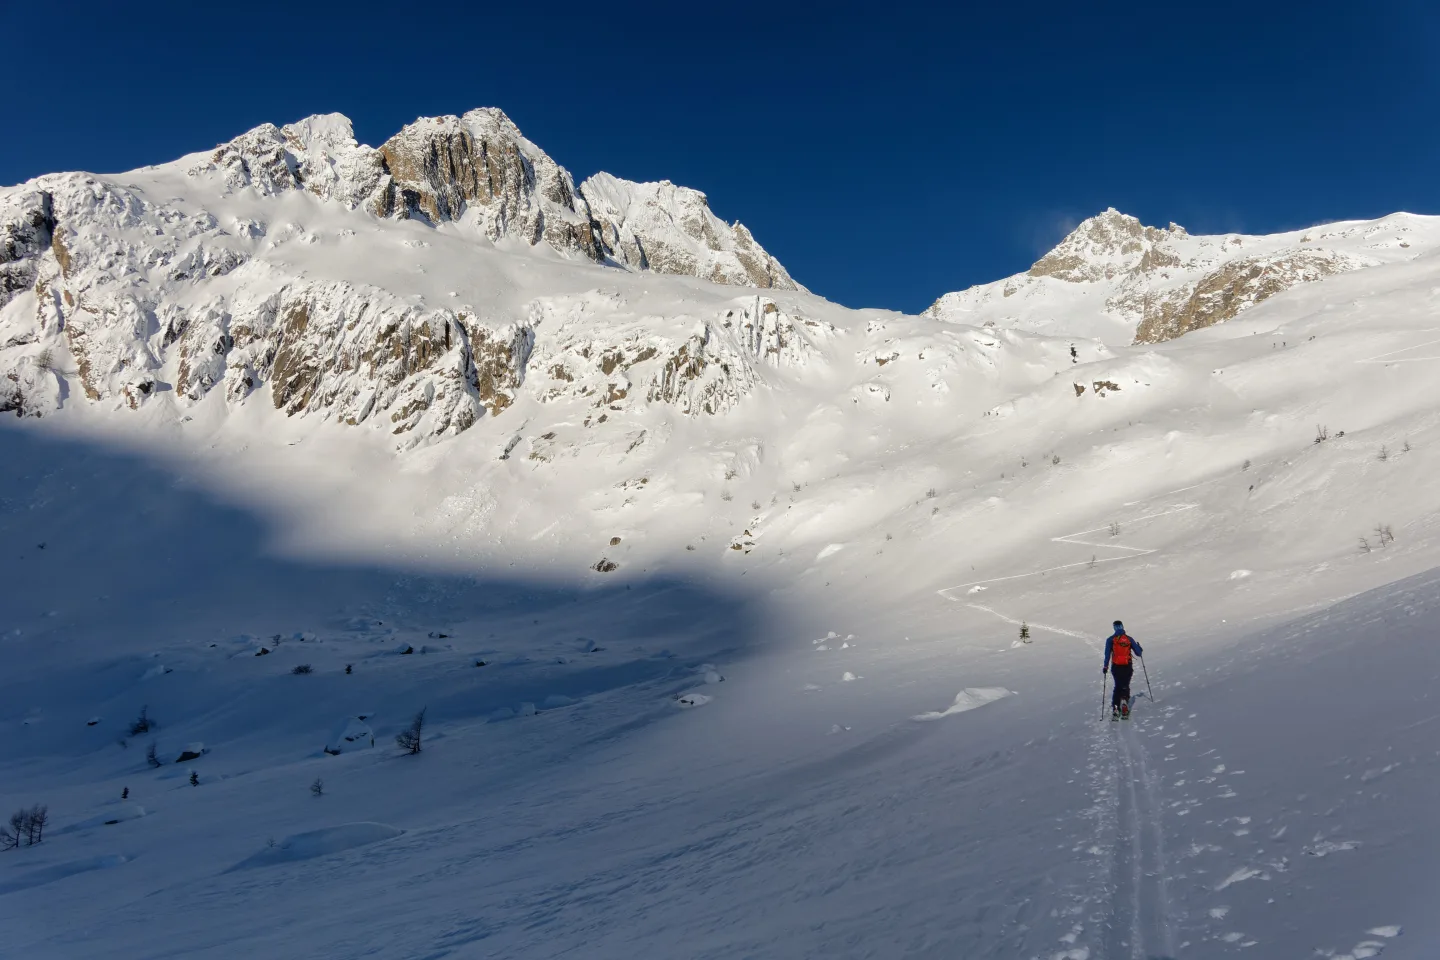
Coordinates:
[1119,648]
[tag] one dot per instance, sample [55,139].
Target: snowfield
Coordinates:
[711,590]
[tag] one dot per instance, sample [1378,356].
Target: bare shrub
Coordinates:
[931,494]
[411,737]
[1384,453]
[727,496]
[1384,534]
[1245,465]
[150,756]
[303,668]
[1054,459]
[1364,545]
[317,788]
[1115,529]
[754,504]
[1322,433]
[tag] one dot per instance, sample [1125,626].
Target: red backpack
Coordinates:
[1120,651]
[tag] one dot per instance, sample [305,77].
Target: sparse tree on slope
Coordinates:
[410,738]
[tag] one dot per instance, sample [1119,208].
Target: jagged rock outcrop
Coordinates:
[318,154]
[1105,246]
[702,375]
[1240,284]
[772,336]
[445,166]
[707,369]
[27,223]
[670,229]
[107,282]
[479,169]
[356,354]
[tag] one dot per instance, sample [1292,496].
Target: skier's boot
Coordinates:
[1125,709]
[1114,712]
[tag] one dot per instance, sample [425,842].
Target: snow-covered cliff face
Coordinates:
[670,229]
[480,170]
[281,263]
[1115,279]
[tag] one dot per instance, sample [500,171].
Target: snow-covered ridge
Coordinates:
[1116,279]
[670,229]
[292,261]
[479,169]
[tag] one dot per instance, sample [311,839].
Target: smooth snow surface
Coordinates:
[672,629]
[321,843]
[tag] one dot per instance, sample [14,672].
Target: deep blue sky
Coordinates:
[885,152]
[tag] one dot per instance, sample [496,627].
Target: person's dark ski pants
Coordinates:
[1122,674]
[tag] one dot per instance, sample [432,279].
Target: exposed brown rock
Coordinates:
[1236,286]
[442,166]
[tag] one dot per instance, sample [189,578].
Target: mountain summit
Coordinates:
[481,171]
[1115,279]
[1104,246]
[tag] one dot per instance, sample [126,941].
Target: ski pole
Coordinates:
[1104,682]
[1150,692]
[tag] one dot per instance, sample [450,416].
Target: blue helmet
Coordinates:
[1119,627]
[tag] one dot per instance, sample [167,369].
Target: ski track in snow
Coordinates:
[1387,357]
[1131,553]
[1132,915]
[1062,631]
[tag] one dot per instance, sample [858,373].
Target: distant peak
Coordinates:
[1101,246]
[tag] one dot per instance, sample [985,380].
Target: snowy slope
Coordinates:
[1117,280]
[712,596]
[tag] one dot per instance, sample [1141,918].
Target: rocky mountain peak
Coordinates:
[1116,279]
[480,168]
[1104,246]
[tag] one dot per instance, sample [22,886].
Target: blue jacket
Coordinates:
[1110,645]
